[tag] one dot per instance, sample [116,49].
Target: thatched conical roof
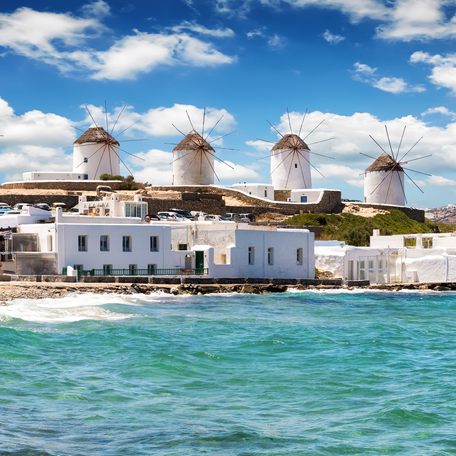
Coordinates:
[290,141]
[96,135]
[194,141]
[384,163]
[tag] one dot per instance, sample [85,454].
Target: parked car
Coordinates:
[171,216]
[5,205]
[249,216]
[214,218]
[4,209]
[43,206]
[183,212]
[20,206]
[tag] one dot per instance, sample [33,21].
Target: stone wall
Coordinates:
[415,214]
[69,200]
[61,185]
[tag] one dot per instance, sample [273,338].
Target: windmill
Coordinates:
[384,179]
[98,152]
[195,155]
[290,158]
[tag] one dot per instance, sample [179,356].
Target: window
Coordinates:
[107,269]
[427,243]
[270,256]
[82,243]
[132,269]
[154,243]
[265,193]
[182,247]
[251,255]
[410,243]
[126,243]
[135,210]
[299,256]
[151,269]
[362,270]
[296,165]
[104,243]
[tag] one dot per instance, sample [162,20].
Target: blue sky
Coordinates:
[358,64]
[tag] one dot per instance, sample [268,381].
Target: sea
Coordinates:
[296,373]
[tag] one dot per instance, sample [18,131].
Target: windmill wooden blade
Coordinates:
[314,129]
[204,118]
[415,159]
[213,169]
[289,153]
[400,142]
[133,155]
[117,119]
[401,181]
[106,115]
[99,161]
[389,142]
[413,182]
[90,114]
[322,140]
[302,122]
[190,120]
[389,185]
[180,131]
[381,182]
[289,169]
[302,174]
[289,123]
[320,155]
[214,127]
[274,128]
[411,148]
[265,140]
[219,159]
[123,163]
[415,171]
[220,137]
[182,156]
[367,155]
[90,156]
[373,139]
[314,167]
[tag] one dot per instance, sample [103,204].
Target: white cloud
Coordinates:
[60,40]
[441,181]
[34,128]
[419,20]
[158,121]
[332,38]
[97,8]
[143,52]
[351,134]
[202,30]
[440,110]
[274,41]
[443,73]
[368,75]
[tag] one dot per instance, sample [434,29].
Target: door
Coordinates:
[199,262]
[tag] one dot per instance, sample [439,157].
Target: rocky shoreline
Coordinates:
[33,290]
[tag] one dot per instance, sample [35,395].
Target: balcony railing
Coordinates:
[142,272]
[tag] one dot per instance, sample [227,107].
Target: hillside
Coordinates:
[356,230]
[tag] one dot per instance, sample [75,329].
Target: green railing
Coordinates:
[143,272]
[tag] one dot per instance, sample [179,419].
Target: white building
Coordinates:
[264,191]
[290,164]
[193,161]
[384,182]
[110,245]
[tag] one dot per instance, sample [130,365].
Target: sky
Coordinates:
[260,66]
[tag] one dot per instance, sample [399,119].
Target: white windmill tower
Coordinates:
[97,152]
[194,157]
[384,179]
[290,158]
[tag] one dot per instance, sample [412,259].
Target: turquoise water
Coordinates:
[281,374]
